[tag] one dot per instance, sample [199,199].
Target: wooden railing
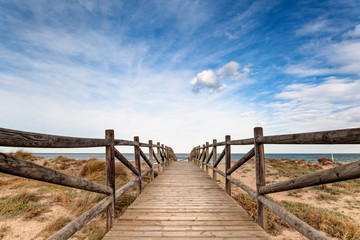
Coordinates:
[18,167]
[201,155]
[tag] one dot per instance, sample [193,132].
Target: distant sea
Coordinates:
[311,157]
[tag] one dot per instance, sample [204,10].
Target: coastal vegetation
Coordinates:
[48,207]
[331,208]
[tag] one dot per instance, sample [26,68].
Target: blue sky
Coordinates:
[180,72]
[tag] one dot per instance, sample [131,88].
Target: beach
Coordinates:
[41,208]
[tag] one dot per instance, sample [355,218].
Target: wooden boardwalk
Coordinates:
[183,202]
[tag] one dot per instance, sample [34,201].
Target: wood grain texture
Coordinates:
[137,164]
[260,175]
[14,138]
[184,203]
[345,136]
[21,168]
[110,178]
[227,164]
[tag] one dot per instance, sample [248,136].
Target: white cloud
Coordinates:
[208,79]
[319,26]
[229,71]
[355,32]
[332,104]
[335,58]
[212,80]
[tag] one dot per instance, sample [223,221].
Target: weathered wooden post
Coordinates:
[260,176]
[202,157]
[151,152]
[158,155]
[163,153]
[137,162]
[227,164]
[110,178]
[206,157]
[214,159]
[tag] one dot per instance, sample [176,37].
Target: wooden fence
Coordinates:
[18,167]
[201,155]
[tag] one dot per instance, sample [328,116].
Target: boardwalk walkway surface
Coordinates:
[183,202]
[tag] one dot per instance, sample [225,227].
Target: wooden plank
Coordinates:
[14,138]
[168,208]
[21,168]
[344,136]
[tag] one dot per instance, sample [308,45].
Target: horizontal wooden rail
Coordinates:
[249,141]
[345,136]
[75,225]
[243,160]
[14,138]
[120,142]
[217,144]
[340,173]
[18,167]
[126,162]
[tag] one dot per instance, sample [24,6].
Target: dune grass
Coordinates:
[20,154]
[22,204]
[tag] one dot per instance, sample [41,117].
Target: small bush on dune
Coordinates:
[95,169]
[92,166]
[21,155]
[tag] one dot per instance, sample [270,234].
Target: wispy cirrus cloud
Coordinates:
[330,57]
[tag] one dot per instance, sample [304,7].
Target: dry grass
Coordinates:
[123,202]
[3,230]
[333,223]
[293,168]
[21,155]
[95,170]
[54,226]
[24,204]
[275,224]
